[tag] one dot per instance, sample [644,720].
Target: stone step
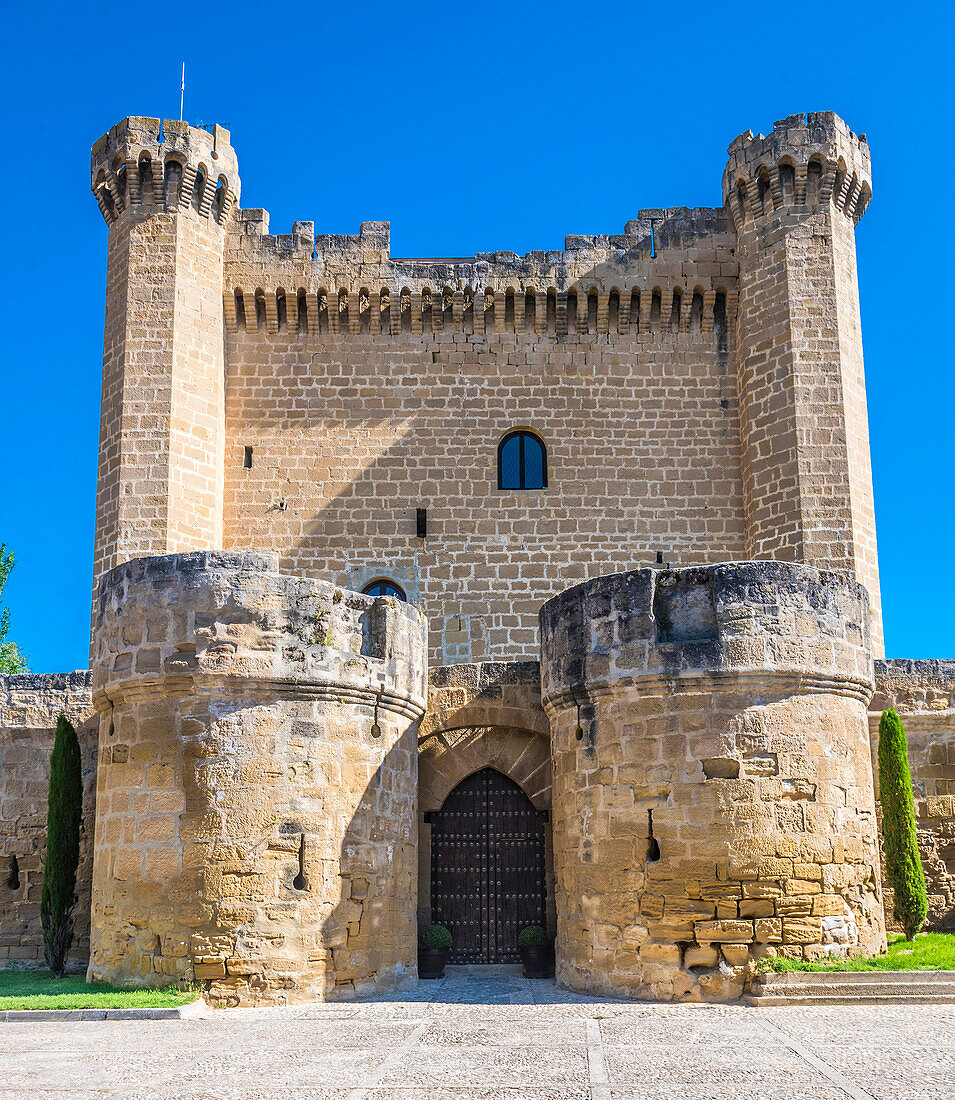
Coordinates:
[847,987]
[766,1000]
[857,977]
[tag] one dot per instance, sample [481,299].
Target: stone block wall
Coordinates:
[257,781]
[29,708]
[344,416]
[712,788]
[923,692]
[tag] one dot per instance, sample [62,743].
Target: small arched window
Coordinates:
[521,462]
[384,587]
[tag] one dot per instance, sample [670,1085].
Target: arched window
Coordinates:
[521,462]
[384,587]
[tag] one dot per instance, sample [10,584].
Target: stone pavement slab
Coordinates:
[497,1036]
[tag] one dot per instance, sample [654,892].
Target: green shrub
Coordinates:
[63,817]
[532,936]
[12,660]
[436,936]
[903,865]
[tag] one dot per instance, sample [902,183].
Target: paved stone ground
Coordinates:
[498,1037]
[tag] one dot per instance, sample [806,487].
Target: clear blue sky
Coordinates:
[470,127]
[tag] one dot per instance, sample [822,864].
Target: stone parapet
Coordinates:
[233,616]
[923,693]
[808,160]
[34,700]
[257,780]
[770,620]
[712,789]
[151,164]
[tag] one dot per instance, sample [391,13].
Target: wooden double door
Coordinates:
[487,867]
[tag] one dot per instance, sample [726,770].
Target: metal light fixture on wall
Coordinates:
[375,728]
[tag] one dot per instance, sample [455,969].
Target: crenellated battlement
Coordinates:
[807,161]
[671,271]
[651,231]
[156,164]
[756,621]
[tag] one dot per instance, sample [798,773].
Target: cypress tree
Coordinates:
[63,817]
[903,865]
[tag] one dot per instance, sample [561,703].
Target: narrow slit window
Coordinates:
[247,458]
[521,462]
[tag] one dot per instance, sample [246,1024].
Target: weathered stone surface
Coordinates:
[716,871]
[279,861]
[704,782]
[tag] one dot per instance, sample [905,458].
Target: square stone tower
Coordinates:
[166,191]
[795,197]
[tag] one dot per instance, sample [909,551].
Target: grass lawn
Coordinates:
[928,951]
[39,989]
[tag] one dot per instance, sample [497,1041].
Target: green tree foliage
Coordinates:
[11,659]
[63,818]
[903,865]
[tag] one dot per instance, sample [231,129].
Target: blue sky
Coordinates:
[471,128]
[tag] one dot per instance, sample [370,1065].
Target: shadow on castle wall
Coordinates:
[376,427]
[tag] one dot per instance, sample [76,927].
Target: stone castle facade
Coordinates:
[409,602]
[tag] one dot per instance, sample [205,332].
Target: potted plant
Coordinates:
[537,952]
[434,943]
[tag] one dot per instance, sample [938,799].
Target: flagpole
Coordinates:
[182,89]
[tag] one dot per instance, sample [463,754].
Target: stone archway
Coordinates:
[446,757]
[482,716]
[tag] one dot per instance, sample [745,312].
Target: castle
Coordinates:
[491,591]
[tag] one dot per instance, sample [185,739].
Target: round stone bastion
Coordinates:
[257,781]
[712,785]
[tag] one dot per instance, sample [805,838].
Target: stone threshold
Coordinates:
[177,1012]
[482,970]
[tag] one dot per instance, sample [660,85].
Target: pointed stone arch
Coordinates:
[481,716]
[447,757]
